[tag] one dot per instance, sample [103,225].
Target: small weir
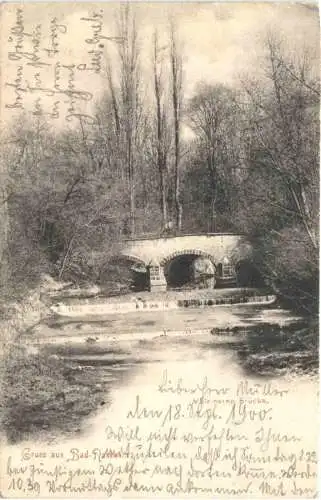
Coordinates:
[142,305]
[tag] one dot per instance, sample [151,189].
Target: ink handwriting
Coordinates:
[201,439]
[42,77]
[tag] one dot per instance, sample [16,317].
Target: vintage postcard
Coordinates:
[159,250]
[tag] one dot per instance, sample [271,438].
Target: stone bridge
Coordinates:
[169,259]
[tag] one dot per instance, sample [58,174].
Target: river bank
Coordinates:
[270,349]
[19,316]
[44,394]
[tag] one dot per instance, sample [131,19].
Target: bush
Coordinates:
[41,393]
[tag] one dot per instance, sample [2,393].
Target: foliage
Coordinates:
[288,261]
[251,166]
[270,349]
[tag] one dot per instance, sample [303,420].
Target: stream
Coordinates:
[135,356]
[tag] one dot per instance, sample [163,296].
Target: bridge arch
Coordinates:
[127,258]
[194,252]
[131,269]
[184,268]
[248,274]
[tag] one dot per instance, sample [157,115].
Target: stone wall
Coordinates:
[214,246]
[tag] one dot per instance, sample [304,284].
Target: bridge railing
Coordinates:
[160,236]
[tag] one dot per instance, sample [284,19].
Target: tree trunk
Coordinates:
[161,120]
[178,204]
[163,200]
[132,205]
[66,256]
[176,66]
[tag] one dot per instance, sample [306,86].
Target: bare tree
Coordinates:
[177,95]
[129,53]
[120,110]
[216,123]
[162,143]
[284,121]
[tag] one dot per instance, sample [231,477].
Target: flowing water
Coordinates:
[137,355]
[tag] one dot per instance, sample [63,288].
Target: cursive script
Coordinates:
[180,439]
[42,75]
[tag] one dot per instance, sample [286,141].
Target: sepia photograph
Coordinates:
[159,249]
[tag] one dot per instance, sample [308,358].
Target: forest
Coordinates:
[249,164]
